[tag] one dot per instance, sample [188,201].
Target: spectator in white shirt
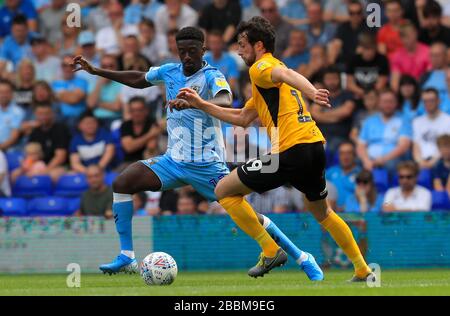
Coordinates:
[5,189]
[408,196]
[427,128]
[174,15]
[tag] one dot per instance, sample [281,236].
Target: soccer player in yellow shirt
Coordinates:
[297,156]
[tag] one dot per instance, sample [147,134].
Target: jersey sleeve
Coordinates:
[261,74]
[216,82]
[250,104]
[155,75]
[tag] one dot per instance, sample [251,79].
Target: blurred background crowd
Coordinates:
[65,135]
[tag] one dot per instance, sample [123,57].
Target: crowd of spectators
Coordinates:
[388,130]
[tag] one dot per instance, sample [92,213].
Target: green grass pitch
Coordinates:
[287,282]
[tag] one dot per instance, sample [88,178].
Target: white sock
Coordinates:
[120,197]
[303,257]
[128,253]
[266,221]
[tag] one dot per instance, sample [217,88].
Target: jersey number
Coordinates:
[295,94]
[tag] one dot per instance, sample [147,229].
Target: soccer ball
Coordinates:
[158,268]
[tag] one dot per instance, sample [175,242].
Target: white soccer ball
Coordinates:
[158,268]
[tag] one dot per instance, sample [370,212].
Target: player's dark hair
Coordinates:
[432,9]
[190,33]
[258,29]
[7,83]
[19,19]
[431,90]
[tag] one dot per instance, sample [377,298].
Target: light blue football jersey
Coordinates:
[194,136]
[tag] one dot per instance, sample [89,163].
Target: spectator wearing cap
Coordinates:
[50,21]
[433,31]
[153,45]
[141,9]
[104,97]
[270,11]
[47,66]
[131,57]
[86,44]
[296,54]
[92,145]
[385,137]
[70,92]
[67,45]
[441,171]
[97,200]
[16,46]
[368,69]
[427,128]
[174,14]
[335,122]
[11,9]
[365,197]
[223,16]
[11,116]
[343,175]
[435,77]
[408,196]
[388,37]
[413,58]
[344,45]
[54,138]
[219,58]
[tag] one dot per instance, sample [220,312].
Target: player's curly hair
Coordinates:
[258,29]
[190,33]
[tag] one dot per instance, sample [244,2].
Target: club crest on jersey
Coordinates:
[263,65]
[196,88]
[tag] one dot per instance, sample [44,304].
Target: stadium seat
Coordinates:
[441,200]
[49,206]
[115,133]
[71,185]
[30,187]
[381,179]
[73,204]
[14,158]
[424,179]
[13,207]
[110,177]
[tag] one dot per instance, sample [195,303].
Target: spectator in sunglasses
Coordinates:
[408,196]
[365,198]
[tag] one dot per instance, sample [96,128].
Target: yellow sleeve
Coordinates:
[249,104]
[261,74]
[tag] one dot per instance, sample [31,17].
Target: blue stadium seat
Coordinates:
[381,179]
[73,204]
[110,177]
[441,200]
[29,187]
[13,207]
[115,133]
[14,158]
[71,185]
[49,206]
[424,179]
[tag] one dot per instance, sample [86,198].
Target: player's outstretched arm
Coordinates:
[299,82]
[241,117]
[134,79]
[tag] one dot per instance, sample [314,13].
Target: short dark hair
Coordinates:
[190,33]
[42,105]
[347,142]
[258,29]
[7,83]
[86,114]
[332,70]
[431,90]
[137,99]
[19,19]
[432,9]
[148,22]
[394,1]
[410,165]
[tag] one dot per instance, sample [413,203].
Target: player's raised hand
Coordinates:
[322,97]
[178,104]
[191,96]
[83,65]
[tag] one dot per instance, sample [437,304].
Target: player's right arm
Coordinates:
[240,117]
[134,79]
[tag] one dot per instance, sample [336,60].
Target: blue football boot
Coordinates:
[121,264]
[311,268]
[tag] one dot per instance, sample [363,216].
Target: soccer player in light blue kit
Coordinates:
[195,153]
